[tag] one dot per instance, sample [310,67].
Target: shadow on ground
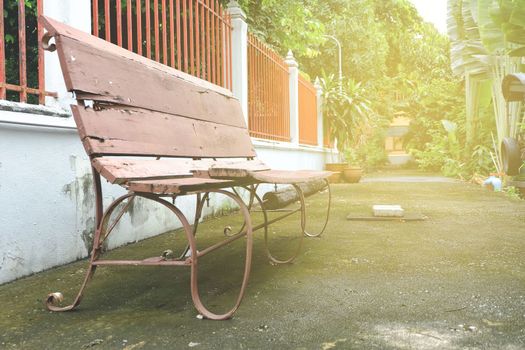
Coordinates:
[454,281]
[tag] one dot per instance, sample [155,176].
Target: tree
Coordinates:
[488,38]
[286,25]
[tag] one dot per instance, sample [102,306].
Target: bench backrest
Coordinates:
[146,108]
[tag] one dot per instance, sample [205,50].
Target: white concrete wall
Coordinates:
[47,199]
[287,156]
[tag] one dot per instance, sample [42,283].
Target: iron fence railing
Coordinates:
[268,92]
[307,112]
[21,57]
[193,36]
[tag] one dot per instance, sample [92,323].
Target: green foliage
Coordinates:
[502,24]
[351,121]
[392,63]
[512,192]
[286,25]
[437,134]
[346,111]
[487,38]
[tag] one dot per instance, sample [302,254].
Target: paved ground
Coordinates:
[454,281]
[406,176]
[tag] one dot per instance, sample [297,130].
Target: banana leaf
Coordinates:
[489,15]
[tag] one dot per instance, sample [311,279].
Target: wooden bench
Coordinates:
[134,117]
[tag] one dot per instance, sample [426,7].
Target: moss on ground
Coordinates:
[453,281]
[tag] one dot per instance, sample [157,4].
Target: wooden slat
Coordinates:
[147,133]
[236,169]
[268,176]
[109,80]
[102,70]
[119,170]
[175,186]
[289,176]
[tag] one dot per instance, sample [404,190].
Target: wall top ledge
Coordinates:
[263,143]
[33,109]
[32,115]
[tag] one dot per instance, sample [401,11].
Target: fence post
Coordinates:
[319,94]
[293,69]
[239,55]
[76,13]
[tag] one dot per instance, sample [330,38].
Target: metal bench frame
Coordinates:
[214,177]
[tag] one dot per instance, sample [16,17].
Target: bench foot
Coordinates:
[53,300]
[103,230]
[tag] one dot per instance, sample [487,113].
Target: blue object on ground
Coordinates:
[493,181]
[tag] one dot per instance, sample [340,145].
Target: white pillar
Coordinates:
[293,69]
[320,129]
[239,55]
[76,13]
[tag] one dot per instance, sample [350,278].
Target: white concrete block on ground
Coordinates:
[388,210]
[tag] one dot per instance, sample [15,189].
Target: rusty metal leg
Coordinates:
[252,190]
[248,233]
[200,199]
[54,299]
[317,234]
[272,258]
[194,254]
[300,245]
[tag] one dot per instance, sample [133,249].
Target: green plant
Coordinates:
[346,112]
[488,43]
[512,192]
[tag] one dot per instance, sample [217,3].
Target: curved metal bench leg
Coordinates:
[102,232]
[194,257]
[252,189]
[200,199]
[272,258]
[247,266]
[194,254]
[308,234]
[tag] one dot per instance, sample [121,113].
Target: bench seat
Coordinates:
[120,170]
[177,185]
[269,176]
